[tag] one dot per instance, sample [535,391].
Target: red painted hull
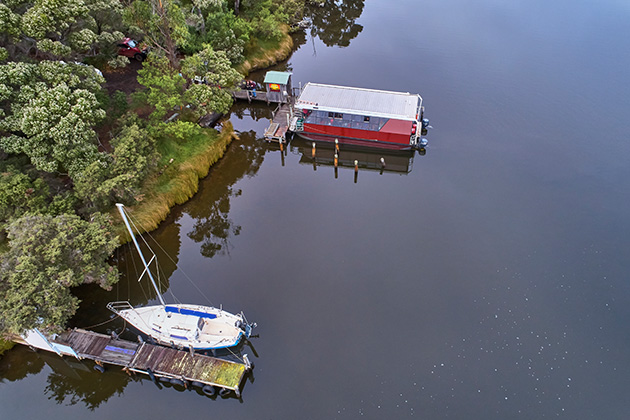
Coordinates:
[363,138]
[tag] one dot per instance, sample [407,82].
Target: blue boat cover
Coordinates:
[185,311]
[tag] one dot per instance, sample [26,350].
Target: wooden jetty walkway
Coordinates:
[279,126]
[249,95]
[282,115]
[160,363]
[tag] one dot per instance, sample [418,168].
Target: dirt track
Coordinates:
[125,79]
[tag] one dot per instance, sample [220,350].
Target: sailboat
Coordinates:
[190,326]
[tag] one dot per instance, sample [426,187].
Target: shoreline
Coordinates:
[151,212]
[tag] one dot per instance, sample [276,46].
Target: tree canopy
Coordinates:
[49,110]
[48,255]
[69,148]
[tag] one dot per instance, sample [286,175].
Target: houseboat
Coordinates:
[360,117]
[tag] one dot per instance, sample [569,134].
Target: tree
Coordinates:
[118,179]
[167,90]
[55,29]
[47,256]
[49,111]
[162,22]
[165,86]
[214,69]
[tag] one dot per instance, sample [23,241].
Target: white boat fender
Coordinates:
[209,390]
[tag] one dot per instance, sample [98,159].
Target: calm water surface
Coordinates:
[487,279]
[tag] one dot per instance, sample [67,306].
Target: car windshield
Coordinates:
[131,43]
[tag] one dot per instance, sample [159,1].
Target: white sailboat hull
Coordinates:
[185,325]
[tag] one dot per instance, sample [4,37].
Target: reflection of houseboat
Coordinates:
[364,158]
[362,117]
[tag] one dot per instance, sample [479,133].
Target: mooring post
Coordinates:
[336,160]
[281,145]
[337,146]
[313,153]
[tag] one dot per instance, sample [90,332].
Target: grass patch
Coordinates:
[178,180]
[5,345]
[265,53]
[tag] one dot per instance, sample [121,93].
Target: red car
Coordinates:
[129,48]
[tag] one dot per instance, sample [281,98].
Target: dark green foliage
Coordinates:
[47,256]
[224,32]
[165,87]
[120,176]
[24,190]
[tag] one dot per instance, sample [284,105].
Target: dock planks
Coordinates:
[180,364]
[162,361]
[277,130]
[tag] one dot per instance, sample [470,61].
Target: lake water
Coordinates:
[487,279]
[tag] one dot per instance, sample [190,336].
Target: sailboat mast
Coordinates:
[133,238]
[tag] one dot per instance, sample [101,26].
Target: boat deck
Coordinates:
[162,362]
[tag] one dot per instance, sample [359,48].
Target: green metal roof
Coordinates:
[278,77]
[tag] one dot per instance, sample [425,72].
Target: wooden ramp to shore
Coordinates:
[279,126]
[156,361]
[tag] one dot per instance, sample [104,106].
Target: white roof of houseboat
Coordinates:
[351,100]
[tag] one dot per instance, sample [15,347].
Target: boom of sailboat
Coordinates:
[181,325]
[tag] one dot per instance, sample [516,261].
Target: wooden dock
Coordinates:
[248,95]
[279,126]
[160,363]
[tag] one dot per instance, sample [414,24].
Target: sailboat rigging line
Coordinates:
[136,271]
[174,263]
[102,323]
[154,257]
[235,355]
[135,242]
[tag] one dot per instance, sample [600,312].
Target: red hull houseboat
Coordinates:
[360,117]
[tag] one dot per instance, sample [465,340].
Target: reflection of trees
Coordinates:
[18,363]
[91,388]
[256,111]
[92,310]
[70,381]
[334,22]
[211,208]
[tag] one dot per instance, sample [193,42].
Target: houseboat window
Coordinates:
[338,115]
[366,119]
[331,114]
